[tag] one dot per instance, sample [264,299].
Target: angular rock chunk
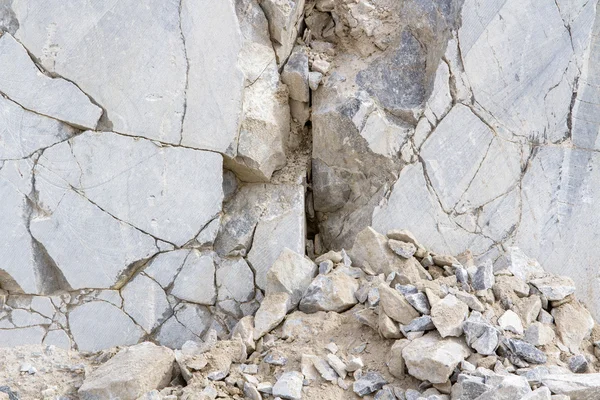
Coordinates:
[370,250]
[573,324]
[577,387]
[295,76]
[331,292]
[432,358]
[480,334]
[23,83]
[289,386]
[291,273]
[396,306]
[284,21]
[131,373]
[539,334]
[522,266]
[507,387]
[524,350]
[554,287]
[196,280]
[484,276]
[403,249]
[99,325]
[368,383]
[448,316]
[271,312]
[395,362]
[265,120]
[510,321]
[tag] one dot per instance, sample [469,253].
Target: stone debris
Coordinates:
[382,342]
[130,373]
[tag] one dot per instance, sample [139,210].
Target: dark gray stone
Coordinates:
[578,364]
[525,351]
[368,383]
[480,334]
[420,324]
[484,277]
[419,302]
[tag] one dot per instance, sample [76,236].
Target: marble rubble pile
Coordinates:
[386,320]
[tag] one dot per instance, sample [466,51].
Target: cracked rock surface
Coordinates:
[171,168]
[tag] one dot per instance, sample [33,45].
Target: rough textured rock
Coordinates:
[433,358]
[131,373]
[291,273]
[448,316]
[23,83]
[577,387]
[98,325]
[331,292]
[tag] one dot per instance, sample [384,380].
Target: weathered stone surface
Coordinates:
[448,316]
[291,273]
[507,387]
[23,132]
[524,350]
[554,287]
[145,302]
[289,386]
[394,304]
[577,387]
[331,292]
[271,312]
[573,324]
[235,280]
[189,322]
[195,282]
[257,214]
[130,373]
[510,321]
[483,278]
[22,336]
[23,83]
[138,188]
[394,361]
[90,266]
[403,249]
[99,325]
[368,383]
[432,358]
[480,334]
[284,21]
[539,334]
[295,76]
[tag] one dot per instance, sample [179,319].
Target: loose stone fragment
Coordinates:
[368,383]
[578,364]
[131,373]
[385,394]
[291,273]
[419,324]
[554,287]
[510,321]
[395,362]
[480,334]
[469,387]
[289,386]
[338,365]
[542,393]
[332,292]
[470,300]
[323,367]
[484,277]
[271,312]
[403,249]
[539,334]
[419,302]
[522,266]
[525,351]
[433,358]
[573,324]
[355,363]
[576,386]
[507,387]
[395,305]
[387,327]
[448,316]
